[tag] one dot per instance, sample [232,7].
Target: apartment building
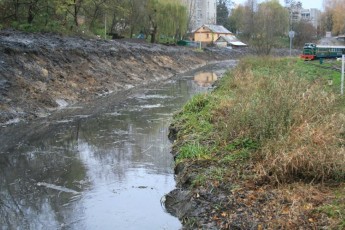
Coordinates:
[201,12]
[311,15]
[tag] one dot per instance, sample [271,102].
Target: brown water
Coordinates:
[100,166]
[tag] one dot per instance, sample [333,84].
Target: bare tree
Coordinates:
[305,32]
[271,21]
[249,19]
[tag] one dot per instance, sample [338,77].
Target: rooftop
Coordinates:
[216,29]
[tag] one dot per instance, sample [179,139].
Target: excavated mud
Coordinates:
[40,73]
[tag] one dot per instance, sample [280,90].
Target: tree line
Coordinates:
[113,17]
[265,25]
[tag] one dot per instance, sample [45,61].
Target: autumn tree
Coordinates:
[177,25]
[136,16]
[334,17]
[304,32]
[95,11]
[271,22]
[166,17]
[191,13]
[250,13]
[236,19]
[327,20]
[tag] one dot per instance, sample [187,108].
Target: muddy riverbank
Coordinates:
[40,73]
[98,164]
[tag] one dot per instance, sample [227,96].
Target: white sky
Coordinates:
[307,4]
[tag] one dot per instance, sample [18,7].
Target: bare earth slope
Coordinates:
[40,72]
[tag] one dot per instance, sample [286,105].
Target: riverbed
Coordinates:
[101,165]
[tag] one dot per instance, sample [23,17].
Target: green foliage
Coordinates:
[197,103]
[237,156]
[168,18]
[193,151]
[236,19]
[196,117]
[222,13]
[335,210]
[123,17]
[244,143]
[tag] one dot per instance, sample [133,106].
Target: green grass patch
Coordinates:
[242,144]
[193,151]
[237,156]
[211,174]
[327,71]
[194,120]
[336,210]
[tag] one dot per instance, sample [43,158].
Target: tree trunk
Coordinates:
[30,14]
[76,13]
[16,10]
[153,34]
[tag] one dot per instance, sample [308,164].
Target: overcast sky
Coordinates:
[307,4]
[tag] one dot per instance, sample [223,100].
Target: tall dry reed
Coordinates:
[297,123]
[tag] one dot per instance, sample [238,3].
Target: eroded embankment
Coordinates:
[41,72]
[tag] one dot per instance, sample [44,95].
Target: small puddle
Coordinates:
[107,170]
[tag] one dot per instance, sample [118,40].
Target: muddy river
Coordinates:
[102,165]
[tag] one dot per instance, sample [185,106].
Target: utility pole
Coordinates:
[342,73]
[291,36]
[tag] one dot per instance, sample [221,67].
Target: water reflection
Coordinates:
[24,204]
[105,170]
[205,79]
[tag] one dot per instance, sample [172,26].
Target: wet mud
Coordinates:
[40,73]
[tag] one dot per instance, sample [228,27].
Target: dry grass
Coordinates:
[295,121]
[273,133]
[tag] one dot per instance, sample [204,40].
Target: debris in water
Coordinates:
[56,187]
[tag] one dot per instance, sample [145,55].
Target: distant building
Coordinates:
[209,33]
[310,15]
[201,12]
[229,41]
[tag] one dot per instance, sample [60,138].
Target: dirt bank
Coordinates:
[42,72]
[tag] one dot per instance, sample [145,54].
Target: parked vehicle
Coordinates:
[312,51]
